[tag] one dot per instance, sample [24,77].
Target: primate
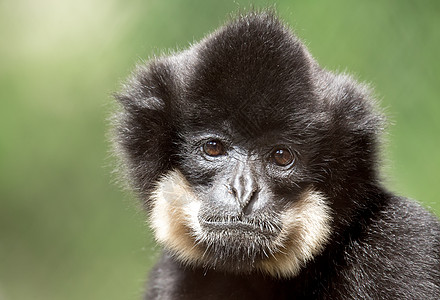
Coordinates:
[260,173]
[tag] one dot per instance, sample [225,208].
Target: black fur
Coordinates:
[254,80]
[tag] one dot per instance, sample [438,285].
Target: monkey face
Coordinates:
[232,207]
[237,145]
[248,202]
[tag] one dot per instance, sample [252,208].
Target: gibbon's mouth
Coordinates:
[237,224]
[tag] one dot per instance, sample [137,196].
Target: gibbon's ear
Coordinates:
[355,126]
[144,127]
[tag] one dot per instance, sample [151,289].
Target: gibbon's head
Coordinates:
[244,150]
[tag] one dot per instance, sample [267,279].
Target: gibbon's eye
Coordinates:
[282,156]
[214,148]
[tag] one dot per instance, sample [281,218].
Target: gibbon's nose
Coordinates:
[243,186]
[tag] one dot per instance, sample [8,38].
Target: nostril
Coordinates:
[233,191]
[248,208]
[253,194]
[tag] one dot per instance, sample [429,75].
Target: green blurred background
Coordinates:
[67,231]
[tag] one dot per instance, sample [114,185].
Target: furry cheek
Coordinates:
[174,217]
[305,231]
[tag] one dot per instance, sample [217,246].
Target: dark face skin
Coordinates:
[244,187]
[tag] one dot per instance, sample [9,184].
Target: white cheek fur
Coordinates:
[174,219]
[305,231]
